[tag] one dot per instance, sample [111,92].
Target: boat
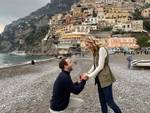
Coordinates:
[20,53]
[140,63]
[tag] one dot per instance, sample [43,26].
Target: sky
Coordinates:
[11,10]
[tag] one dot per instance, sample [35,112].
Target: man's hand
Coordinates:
[84,76]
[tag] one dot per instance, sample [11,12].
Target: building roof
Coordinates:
[74,35]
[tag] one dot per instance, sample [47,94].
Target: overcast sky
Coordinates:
[11,10]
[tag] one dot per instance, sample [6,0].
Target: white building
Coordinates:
[137,25]
[90,21]
[123,27]
[133,26]
[78,28]
[108,1]
[82,28]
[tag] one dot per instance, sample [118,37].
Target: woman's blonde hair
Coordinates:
[96,42]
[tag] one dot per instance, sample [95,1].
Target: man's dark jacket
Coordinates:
[62,88]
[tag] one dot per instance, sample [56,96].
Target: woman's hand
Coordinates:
[84,76]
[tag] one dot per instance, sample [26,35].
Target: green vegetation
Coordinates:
[142,39]
[133,0]
[34,38]
[106,29]
[146,6]
[137,14]
[146,24]
[0,37]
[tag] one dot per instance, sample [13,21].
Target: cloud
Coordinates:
[13,9]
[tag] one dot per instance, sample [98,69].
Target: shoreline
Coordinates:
[25,63]
[7,59]
[24,69]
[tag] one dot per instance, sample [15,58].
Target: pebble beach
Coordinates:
[28,88]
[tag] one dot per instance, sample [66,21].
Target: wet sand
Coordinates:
[28,88]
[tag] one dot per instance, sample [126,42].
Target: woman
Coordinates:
[102,73]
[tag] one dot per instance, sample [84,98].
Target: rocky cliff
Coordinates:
[26,33]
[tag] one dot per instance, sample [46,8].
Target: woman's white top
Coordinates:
[101,62]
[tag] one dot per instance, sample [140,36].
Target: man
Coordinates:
[129,59]
[64,86]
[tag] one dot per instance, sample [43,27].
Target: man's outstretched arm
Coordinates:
[77,87]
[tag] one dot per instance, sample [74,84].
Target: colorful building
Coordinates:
[122,42]
[117,13]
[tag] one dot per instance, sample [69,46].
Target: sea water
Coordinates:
[7,59]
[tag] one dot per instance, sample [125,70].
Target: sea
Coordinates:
[7,60]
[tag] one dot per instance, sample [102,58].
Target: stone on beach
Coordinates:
[27,89]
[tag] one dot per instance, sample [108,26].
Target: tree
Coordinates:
[146,24]
[0,36]
[143,41]
[33,40]
[133,0]
[137,14]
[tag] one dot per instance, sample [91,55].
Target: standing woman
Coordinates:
[102,73]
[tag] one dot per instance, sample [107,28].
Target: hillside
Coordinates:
[32,28]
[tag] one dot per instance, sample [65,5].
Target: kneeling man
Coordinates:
[64,86]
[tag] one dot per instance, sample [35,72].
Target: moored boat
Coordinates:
[20,53]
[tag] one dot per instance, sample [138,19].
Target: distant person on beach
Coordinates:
[129,59]
[101,71]
[32,62]
[124,53]
[64,86]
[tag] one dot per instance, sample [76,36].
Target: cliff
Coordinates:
[26,33]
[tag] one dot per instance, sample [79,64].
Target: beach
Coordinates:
[28,88]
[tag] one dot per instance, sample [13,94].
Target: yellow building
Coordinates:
[77,10]
[73,38]
[76,37]
[117,13]
[59,31]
